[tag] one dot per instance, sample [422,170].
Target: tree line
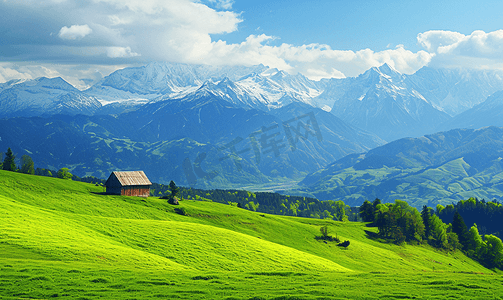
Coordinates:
[27,166]
[487,215]
[267,202]
[401,223]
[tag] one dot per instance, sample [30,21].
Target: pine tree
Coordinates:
[425,214]
[367,212]
[459,227]
[174,189]
[8,163]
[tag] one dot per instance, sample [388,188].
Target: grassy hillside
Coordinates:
[64,239]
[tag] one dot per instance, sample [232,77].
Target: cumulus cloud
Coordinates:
[315,60]
[434,39]
[115,52]
[453,49]
[134,31]
[74,32]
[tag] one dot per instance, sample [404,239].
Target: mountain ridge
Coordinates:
[433,169]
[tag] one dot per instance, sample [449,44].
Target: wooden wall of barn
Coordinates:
[139,191]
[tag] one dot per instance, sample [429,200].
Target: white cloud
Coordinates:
[174,14]
[434,39]
[183,31]
[477,50]
[7,73]
[74,32]
[115,52]
[314,60]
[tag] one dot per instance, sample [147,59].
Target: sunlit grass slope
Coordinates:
[63,238]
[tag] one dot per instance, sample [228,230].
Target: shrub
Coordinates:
[344,244]
[181,211]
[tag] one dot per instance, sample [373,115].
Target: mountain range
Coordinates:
[381,100]
[210,127]
[202,141]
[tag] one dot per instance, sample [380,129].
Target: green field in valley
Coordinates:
[64,239]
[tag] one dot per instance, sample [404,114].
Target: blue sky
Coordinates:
[356,25]
[78,39]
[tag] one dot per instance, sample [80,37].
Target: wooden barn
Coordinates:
[131,183]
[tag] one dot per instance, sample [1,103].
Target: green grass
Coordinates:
[63,239]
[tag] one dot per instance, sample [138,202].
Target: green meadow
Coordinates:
[61,239]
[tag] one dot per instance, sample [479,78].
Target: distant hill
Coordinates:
[440,168]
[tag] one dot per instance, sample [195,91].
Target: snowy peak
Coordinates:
[45,96]
[384,73]
[170,80]
[381,102]
[41,83]
[55,83]
[387,69]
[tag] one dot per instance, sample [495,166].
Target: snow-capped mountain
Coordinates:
[276,88]
[268,90]
[44,96]
[380,101]
[156,79]
[455,90]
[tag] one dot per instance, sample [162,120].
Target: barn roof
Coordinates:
[132,178]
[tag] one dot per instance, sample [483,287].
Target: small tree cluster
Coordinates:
[64,173]
[9,164]
[325,236]
[488,251]
[400,222]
